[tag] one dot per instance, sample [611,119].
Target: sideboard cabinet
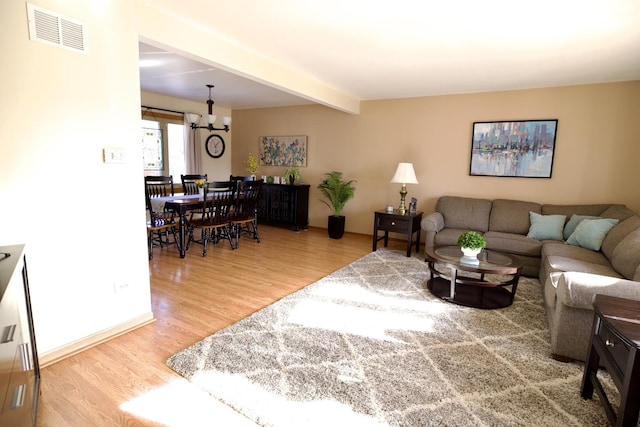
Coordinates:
[283,204]
[19,368]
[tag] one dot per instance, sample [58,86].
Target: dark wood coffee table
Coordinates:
[472,290]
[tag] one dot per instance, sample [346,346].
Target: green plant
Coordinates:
[292,172]
[336,191]
[471,240]
[252,164]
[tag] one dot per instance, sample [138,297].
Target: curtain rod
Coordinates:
[162,109]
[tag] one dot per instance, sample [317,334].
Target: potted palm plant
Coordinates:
[291,174]
[337,193]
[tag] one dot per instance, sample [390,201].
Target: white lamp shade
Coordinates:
[193,118]
[405,174]
[211,119]
[226,121]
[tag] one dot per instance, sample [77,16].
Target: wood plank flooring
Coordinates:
[125,382]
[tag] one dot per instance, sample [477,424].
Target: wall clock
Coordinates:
[214,146]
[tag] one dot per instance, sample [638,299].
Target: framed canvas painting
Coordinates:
[522,149]
[283,151]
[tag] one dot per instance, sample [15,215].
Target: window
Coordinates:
[163,145]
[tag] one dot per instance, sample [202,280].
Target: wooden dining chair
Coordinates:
[189,183]
[237,179]
[214,223]
[244,218]
[159,186]
[159,224]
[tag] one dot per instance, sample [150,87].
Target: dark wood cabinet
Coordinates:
[19,369]
[282,204]
[615,344]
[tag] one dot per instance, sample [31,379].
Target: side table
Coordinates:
[408,224]
[615,343]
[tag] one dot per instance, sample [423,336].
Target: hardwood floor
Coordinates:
[125,382]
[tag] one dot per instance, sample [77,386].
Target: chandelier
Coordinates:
[194,119]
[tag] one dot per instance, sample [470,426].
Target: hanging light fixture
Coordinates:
[194,119]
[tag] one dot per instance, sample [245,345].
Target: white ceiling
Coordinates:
[370,49]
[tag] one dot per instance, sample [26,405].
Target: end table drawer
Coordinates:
[617,348]
[392,224]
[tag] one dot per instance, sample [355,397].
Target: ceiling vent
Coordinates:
[52,28]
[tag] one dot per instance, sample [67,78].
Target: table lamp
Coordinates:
[404,175]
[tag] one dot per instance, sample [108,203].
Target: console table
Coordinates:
[283,204]
[615,343]
[408,224]
[19,368]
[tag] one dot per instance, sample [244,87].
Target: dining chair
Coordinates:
[159,186]
[237,179]
[159,224]
[214,223]
[244,217]
[189,183]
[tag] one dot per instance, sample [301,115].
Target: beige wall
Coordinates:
[81,219]
[597,147]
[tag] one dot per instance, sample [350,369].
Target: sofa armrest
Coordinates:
[578,289]
[433,222]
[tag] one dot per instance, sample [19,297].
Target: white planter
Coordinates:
[471,253]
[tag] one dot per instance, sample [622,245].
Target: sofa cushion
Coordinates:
[556,248]
[619,232]
[448,236]
[626,256]
[464,213]
[546,227]
[620,212]
[513,243]
[512,216]
[562,264]
[590,233]
[573,222]
[568,210]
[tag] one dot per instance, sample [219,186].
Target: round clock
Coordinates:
[214,146]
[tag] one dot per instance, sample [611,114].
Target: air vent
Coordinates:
[51,28]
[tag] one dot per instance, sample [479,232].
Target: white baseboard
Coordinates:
[76,347]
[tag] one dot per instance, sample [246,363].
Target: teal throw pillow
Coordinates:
[573,223]
[546,227]
[590,233]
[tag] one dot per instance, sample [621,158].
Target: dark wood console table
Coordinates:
[283,204]
[615,343]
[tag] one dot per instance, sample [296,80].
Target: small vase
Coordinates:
[201,191]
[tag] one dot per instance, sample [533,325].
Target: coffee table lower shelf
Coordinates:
[471,295]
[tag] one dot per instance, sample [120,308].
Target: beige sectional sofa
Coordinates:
[602,256]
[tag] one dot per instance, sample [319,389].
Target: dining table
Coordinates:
[180,204]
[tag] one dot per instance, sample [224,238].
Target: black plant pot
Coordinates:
[336,226]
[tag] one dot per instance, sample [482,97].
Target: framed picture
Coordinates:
[522,149]
[283,151]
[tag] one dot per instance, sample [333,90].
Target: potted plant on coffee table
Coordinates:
[337,193]
[471,243]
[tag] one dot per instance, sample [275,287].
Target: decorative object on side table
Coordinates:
[291,174]
[471,244]
[404,175]
[252,165]
[338,193]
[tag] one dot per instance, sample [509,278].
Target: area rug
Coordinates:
[369,345]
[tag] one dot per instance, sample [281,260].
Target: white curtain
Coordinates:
[192,151]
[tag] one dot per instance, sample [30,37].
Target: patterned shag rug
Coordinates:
[369,345]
